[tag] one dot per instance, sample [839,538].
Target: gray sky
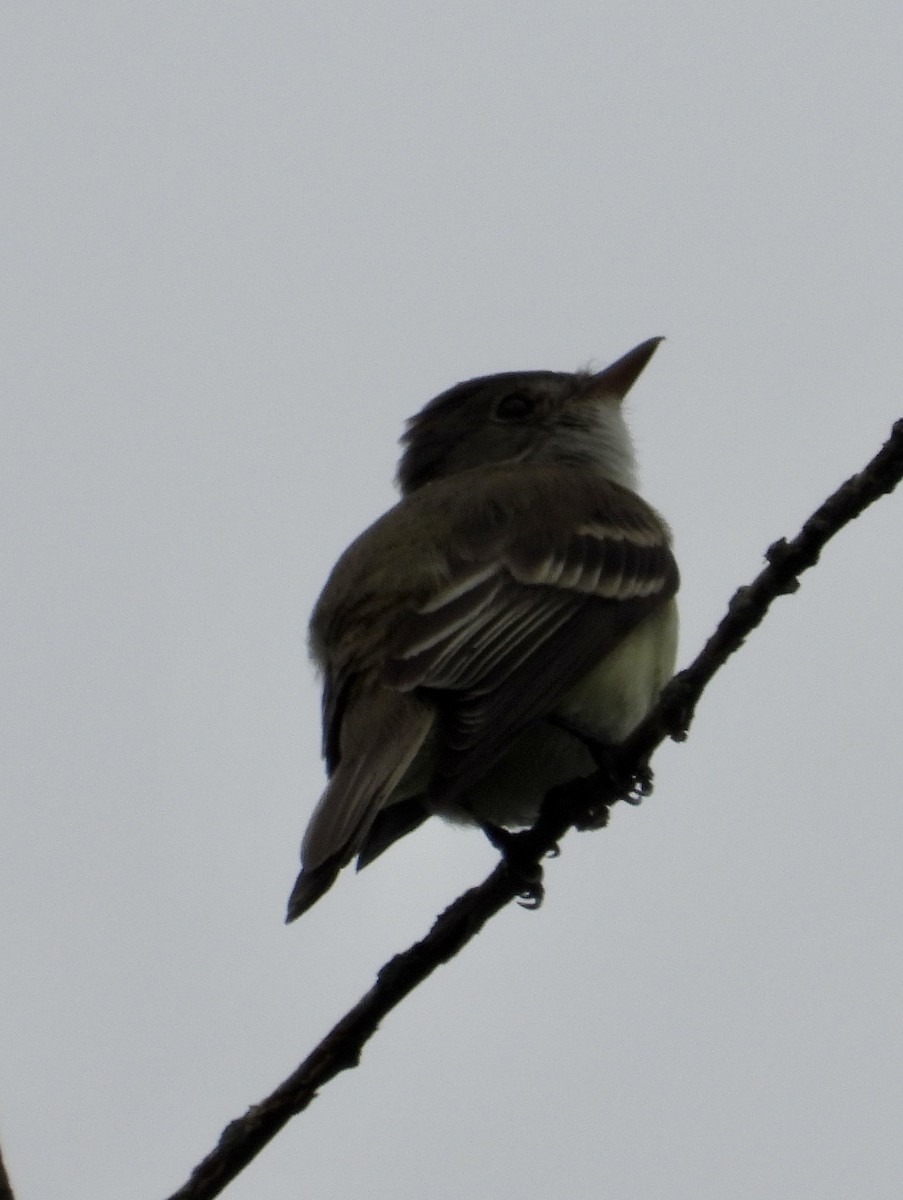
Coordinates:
[242,243]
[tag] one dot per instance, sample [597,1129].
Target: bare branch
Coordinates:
[341,1049]
[6,1188]
[579,804]
[786,562]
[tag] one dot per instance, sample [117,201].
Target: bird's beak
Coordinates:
[619,378]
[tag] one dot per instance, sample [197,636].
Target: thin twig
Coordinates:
[6,1188]
[574,805]
[786,562]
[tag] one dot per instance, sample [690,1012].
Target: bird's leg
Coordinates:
[614,784]
[522,866]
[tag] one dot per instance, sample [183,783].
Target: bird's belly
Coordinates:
[606,704]
[511,792]
[612,698]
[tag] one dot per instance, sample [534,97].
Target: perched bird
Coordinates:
[518,600]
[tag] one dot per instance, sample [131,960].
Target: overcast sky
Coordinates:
[242,242]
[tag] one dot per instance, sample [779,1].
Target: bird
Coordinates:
[515,608]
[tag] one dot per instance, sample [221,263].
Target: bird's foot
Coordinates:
[616,784]
[611,781]
[526,872]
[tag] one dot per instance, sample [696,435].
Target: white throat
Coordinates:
[601,441]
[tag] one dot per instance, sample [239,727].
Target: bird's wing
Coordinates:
[531,608]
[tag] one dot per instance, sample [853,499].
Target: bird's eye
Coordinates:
[515,406]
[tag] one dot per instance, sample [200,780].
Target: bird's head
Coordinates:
[526,416]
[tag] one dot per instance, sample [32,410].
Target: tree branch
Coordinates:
[574,805]
[671,717]
[6,1188]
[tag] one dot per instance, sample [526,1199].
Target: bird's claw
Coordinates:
[532,896]
[524,870]
[632,787]
[640,786]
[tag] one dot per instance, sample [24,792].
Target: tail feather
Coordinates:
[390,824]
[310,886]
[382,732]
